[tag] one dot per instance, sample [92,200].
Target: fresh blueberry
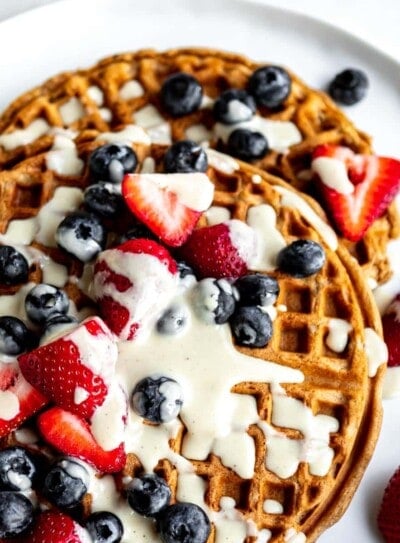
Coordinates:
[181,94]
[184,269]
[301,258]
[58,321]
[214,300]
[185,157]
[247,144]
[257,289]
[45,300]
[104,527]
[111,162]
[82,235]
[136,231]
[16,514]
[270,86]
[173,320]
[148,494]
[234,106]
[101,199]
[17,469]
[157,399]
[14,267]
[66,483]
[15,338]
[183,523]
[251,326]
[349,86]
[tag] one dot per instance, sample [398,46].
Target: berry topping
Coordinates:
[301,258]
[251,326]
[58,322]
[214,300]
[14,267]
[356,189]
[16,514]
[136,231]
[247,145]
[103,200]
[185,157]
[169,204]
[257,289]
[104,527]
[391,331]
[388,516]
[173,320]
[66,483]
[184,269]
[183,523]
[15,338]
[82,235]
[181,94]
[349,86]
[148,494]
[56,527]
[111,162]
[43,301]
[221,250]
[270,86]
[157,399]
[17,469]
[234,106]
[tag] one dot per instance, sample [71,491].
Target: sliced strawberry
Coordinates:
[391,331]
[169,204]
[221,250]
[71,435]
[75,370]
[56,527]
[356,189]
[388,517]
[18,399]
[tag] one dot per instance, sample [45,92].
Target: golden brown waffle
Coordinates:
[336,384]
[313,112]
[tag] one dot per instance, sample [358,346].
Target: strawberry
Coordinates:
[391,331]
[357,189]
[132,284]
[18,399]
[221,250]
[169,204]
[72,436]
[56,527]
[75,370]
[388,516]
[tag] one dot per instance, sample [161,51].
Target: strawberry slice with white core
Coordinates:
[56,527]
[357,189]
[133,283]
[169,204]
[75,371]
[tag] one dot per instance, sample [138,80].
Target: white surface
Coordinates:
[73,33]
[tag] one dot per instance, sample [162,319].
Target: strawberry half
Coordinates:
[75,370]
[18,399]
[56,527]
[169,204]
[72,436]
[391,331]
[356,189]
[388,516]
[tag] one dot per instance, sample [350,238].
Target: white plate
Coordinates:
[75,33]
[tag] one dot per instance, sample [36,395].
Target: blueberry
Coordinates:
[257,289]
[234,106]
[157,399]
[58,321]
[148,495]
[349,86]
[66,483]
[17,469]
[185,157]
[173,320]
[301,258]
[14,267]
[183,523]
[101,199]
[16,514]
[181,94]
[82,235]
[104,527]
[251,326]
[136,231]
[184,269]
[45,300]
[247,144]
[270,86]
[15,338]
[111,162]
[214,300]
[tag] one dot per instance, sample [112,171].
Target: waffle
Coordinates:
[317,117]
[336,384]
